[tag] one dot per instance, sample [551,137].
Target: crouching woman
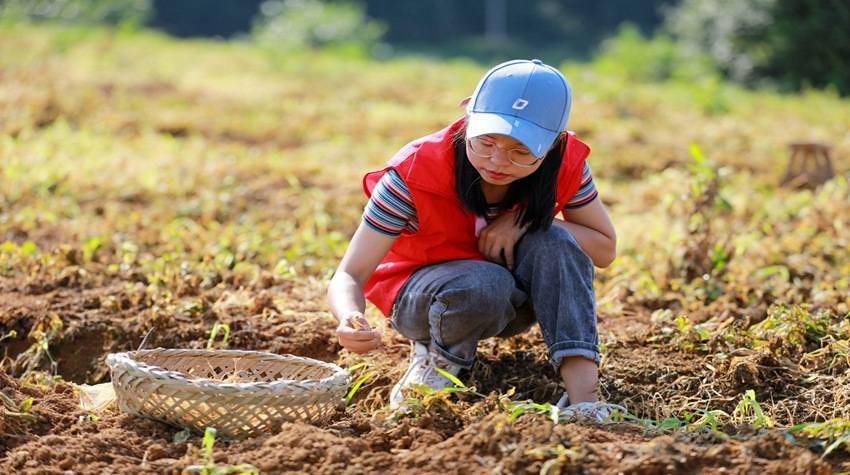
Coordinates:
[461,239]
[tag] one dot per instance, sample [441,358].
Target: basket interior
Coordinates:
[236,369]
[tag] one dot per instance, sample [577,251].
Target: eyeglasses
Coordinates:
[520,157]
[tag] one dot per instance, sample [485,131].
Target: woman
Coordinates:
[460,240]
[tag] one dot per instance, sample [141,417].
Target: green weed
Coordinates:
[8,335]
[360,381]
[21,410]
[518,408]
[679,331]
[789,330]
[749,411]
[222,328]
[421,398]
[207,466]
[832,434]
[697,421]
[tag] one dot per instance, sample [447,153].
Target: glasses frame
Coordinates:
[537,160]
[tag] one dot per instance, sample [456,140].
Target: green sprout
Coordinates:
[90,247]
[749,410]
[222,328]
[208,465]
[357,384]
[11,334]
[519,408]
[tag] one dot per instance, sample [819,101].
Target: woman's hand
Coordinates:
[355,333]
[498,239]
[345,290]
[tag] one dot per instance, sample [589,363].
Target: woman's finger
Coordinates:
[350,343]
[360,346]
[483,242]
[489,254]
[509,256]
[357,335]
[496,251]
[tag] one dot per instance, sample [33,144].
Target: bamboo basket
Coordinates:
[240,393]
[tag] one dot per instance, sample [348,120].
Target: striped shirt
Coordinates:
[390,210]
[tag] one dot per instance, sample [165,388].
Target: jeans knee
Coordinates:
[483,300]
[489,291]
[552,242]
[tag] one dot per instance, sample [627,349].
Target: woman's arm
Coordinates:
[593,230]
[345,291]
[365,251]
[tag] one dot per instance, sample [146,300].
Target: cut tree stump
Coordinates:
[810,165]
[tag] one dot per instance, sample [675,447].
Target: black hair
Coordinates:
[535,193]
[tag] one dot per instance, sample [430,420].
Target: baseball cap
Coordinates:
[526,100]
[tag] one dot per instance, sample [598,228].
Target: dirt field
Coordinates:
[472,435]
[153,196]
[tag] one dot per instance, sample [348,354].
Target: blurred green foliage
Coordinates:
[298,24]
[128,13]
[630,55]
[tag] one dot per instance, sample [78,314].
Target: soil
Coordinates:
[468,435]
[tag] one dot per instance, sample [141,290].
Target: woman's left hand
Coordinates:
[500,237]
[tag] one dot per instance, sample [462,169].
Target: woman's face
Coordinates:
[497,169]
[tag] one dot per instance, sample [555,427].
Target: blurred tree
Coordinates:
[496,14]
[789,42]
[570,27]
[313,23]
[808,44]
[725,29]
[223,18]
[575,24]
[114,12]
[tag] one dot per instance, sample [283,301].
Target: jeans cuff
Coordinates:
[444,354]
[564,349]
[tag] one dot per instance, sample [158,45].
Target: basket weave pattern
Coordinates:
[240,393]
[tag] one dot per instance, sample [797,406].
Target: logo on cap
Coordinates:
[519,104]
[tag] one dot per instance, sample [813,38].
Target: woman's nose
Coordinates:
[501,154]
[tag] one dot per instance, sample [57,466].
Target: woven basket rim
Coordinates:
[125,362]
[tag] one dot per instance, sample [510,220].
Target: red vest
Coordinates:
[446,228]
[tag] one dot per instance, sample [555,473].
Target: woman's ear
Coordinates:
[464,102]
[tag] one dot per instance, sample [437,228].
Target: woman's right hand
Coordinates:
[355,333]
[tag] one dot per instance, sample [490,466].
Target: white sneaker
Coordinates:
[564,401]
[422,370]
[598,411]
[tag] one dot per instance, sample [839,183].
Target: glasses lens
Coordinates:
[522,158]
[480,147]
[519,157]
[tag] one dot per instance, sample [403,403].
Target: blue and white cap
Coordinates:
[526,100]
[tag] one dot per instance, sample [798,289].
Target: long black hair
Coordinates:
[535,193]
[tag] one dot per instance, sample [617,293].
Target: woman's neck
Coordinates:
[494,193]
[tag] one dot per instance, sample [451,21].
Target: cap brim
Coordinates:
[537,139]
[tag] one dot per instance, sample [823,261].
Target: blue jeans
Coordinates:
[455,304]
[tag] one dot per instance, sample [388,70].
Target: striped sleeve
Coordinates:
[390,210]
[586,192]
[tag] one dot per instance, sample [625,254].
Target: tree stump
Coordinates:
[810,165]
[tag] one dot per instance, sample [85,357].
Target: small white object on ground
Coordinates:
[97,397]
